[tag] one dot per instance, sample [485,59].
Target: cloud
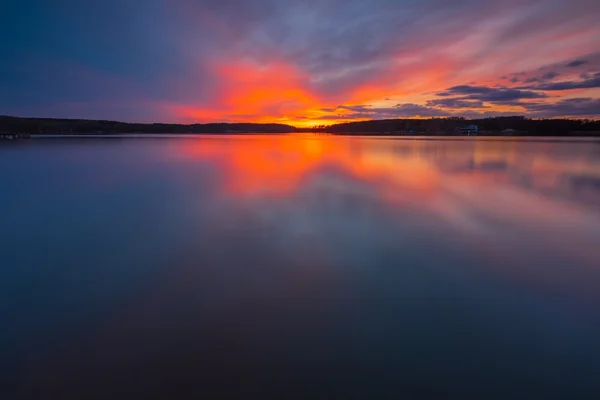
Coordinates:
[489,94]
[409,109]
[455,103]
[576,63]
[225,59]
[550,75]
[359,108]
[589,83]
[576,107]
[398,111]
[546,77]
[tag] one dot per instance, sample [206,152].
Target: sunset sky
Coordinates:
[300,62]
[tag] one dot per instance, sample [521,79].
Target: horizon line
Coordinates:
[309,127]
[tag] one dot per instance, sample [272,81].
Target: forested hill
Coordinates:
[81,126]
[517,125]
[510,126]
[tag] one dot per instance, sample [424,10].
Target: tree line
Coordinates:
[517,125]
[81,126]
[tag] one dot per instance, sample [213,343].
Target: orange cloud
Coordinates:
[271,92]
[280,91]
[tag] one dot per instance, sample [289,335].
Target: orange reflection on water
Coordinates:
[279,164]
[395,169]
[512,201]
[499,196]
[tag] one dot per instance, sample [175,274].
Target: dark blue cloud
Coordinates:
[548,76]
[397,111]
[576,63]
[490,94]
[455,103]
[591,82]
[576,107]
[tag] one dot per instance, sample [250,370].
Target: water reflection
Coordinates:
[279,164]
[508,199]
[300,265]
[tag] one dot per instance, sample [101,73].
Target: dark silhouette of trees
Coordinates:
[77,126]
[517,126]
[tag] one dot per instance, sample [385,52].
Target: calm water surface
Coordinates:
[299,267]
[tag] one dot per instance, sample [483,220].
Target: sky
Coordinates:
[300,62]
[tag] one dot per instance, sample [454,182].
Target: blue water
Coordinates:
[299,267]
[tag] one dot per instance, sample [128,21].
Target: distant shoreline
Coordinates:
[492,137]
[517,126]
[499,138]
[591,134]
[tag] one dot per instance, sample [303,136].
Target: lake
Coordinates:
[299,266]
